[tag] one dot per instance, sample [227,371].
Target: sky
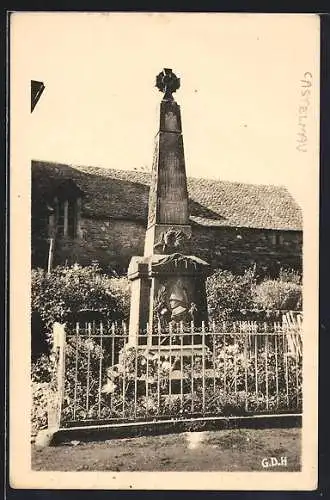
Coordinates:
[240,90]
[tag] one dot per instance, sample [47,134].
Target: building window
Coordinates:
[72,219]
[61,218]
[277,239]
[67,218]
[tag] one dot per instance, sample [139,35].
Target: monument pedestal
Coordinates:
[166,290]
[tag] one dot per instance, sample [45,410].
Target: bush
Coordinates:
[238,297]
[227,292]
[278,294]
[42,379]
[39,410]
[121,289]
[66,291]
[290,276]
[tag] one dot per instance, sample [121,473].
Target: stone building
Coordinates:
[95,214]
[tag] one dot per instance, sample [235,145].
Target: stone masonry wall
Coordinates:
[239,248]
[114,242]
[111,242]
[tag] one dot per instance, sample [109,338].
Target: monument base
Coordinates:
[166,290]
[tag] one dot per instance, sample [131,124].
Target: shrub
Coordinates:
[66,291]
[290,276]
[121,288]
[278,294]
[42,370]
[42,379]
[39,409]
[227,292]
[238,297]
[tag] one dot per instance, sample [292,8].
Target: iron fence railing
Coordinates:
[180,372]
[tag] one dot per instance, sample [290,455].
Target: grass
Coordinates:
[225,450]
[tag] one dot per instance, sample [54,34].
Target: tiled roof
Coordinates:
[124,194]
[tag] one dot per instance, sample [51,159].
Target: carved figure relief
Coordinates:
[179,303]
[173,305]
[171,240]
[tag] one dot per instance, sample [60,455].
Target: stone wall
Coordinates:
[113,242]
[239,248]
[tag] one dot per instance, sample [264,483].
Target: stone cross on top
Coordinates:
[167,82]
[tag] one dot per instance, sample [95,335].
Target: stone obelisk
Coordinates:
[167,283]
[168,199]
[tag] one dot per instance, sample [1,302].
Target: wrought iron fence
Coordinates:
[180,372]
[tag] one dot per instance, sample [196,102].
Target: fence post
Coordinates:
[54,413]
[246,372]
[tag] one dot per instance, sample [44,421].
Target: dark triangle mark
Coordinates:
[37,89]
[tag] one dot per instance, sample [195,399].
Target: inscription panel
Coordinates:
[171,122]
[173,196]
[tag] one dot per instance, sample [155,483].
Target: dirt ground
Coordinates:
[225,450]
